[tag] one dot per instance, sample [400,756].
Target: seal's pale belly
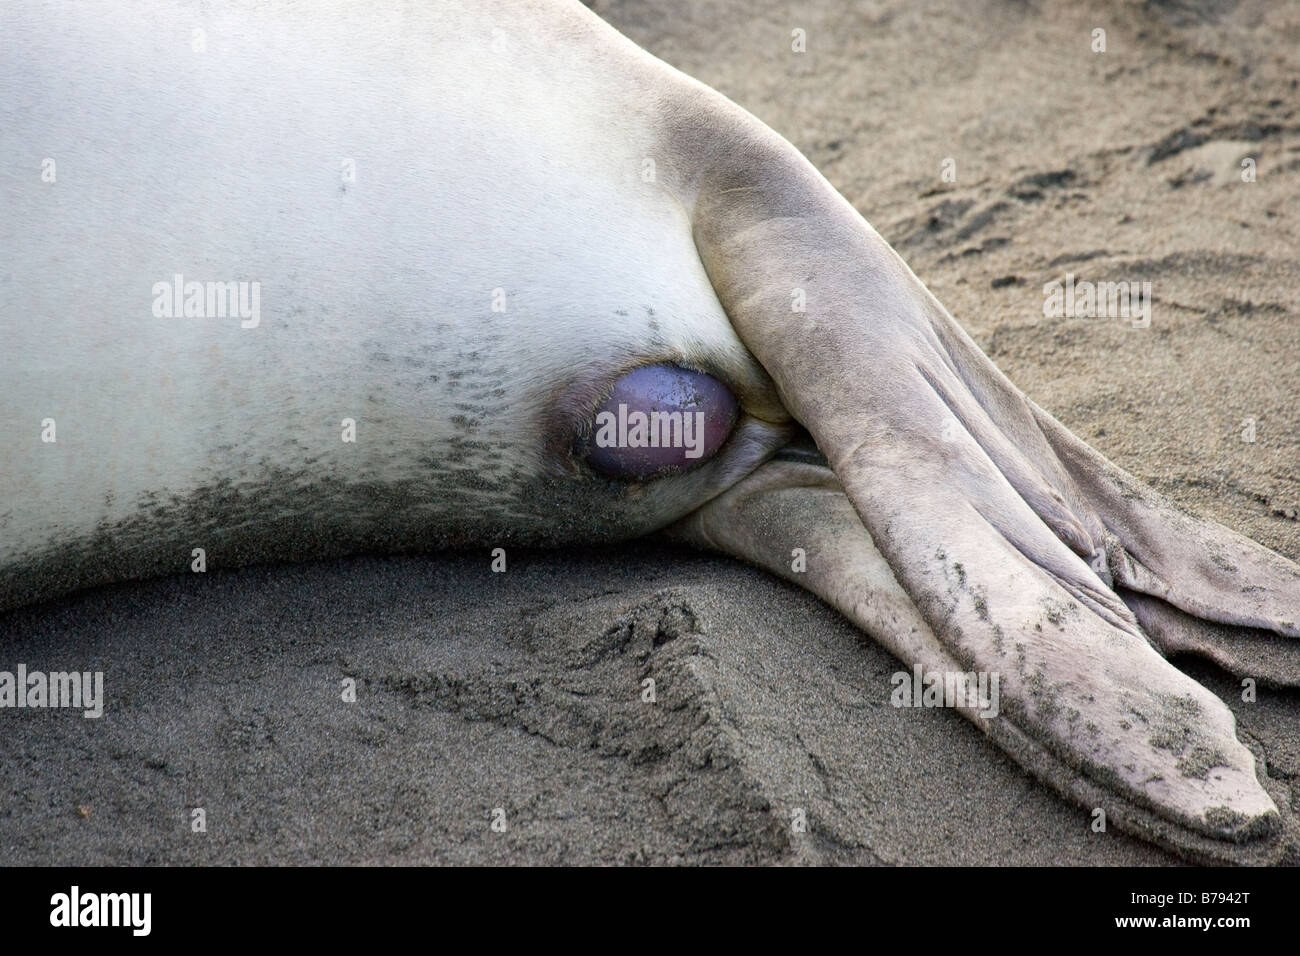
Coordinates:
[435,258]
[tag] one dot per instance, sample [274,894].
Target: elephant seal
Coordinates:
[292,281]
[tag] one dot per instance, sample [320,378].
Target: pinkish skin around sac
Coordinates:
[697,413]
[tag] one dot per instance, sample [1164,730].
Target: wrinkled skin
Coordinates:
[505,146]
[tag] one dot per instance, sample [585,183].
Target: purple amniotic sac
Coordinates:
[660,417]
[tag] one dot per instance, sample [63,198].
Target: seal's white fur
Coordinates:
[485,159]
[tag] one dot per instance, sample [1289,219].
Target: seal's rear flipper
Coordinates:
[1197,566]
[998,527]
[1271,659]
[795,520]
[992,543]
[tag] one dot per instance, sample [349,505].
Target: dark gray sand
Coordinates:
[522,690]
